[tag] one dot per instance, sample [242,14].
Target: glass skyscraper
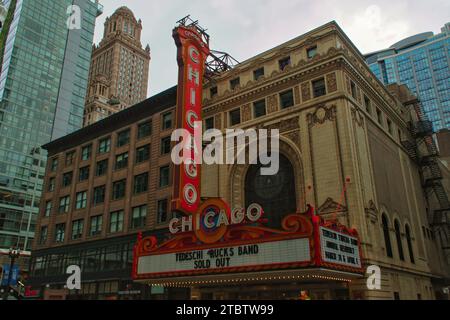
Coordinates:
[43,81]
[422,62]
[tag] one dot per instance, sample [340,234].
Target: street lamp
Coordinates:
[13,255]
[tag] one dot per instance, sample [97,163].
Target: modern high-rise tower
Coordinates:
[422,62]
[45,51]
[119,71]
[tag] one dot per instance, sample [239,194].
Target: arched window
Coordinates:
[387,237]
[410,247]
[276,194]
[398,235]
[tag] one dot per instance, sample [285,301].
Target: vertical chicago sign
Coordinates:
[192,54]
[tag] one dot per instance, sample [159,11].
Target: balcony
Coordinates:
[422,128]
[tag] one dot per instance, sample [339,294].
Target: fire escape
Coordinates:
[423,150]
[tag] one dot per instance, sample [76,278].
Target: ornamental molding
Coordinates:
[321,115]
[331,206]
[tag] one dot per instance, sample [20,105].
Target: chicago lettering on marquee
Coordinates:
[192,54]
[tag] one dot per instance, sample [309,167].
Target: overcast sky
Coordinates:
[244,28]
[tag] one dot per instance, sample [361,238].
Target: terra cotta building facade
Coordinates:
[344,150]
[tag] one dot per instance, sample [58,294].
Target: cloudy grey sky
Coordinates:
[245,28]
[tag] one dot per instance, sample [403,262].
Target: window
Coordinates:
[396,296]
[123,138]
[379,116]
[258,74]
[213,92]
[235,117]
[104,145]
[235,83]
[51,184]
[43,235]
[311,52]
[319,88]
[77,229]
[64,204]
[389,124]
[86,153]
[139,217]
[54,165]
[48,208]
[167,121]
[387,236]
[122,161]
[209,123]
[399,133]
[83,174]
[99,195]
[119,189]
[141,183]
[60,231]
[164,177]
[116,222]
[398,235]
[165,145]
[102,168]
[67,179]
[368,105]
[143,154]
[259,108]
[287,99]
[144,130]
[96,225]
[283,63]
[70,156]
[409,241]
[81,201]
[353,89]
[162,211]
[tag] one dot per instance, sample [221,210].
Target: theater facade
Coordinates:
[349,194]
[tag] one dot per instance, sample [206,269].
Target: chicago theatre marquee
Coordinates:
[326,215]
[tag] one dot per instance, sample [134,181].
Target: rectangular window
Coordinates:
[99,195]
[51,184]
[258,74]
[165,145]
[123,138]
[368,105]
[43,235]
[259,108]
[141,183]
[60,231]
[311,52]
[379,116]
[81,202]
[143,154]
[86,153]
[162,211]
[353,89]
[116,222]
[164,177]
[70,156]
[119,190]
[48,208]
[83,174]
[64,204]
[319,88]
[96,225]
[104,145]
[167,121]
[77,229]
[213,92]
[209,123]
[54,165]
[287,99]
[283,63]
[67,179]
[235,117]
[144,130]
[139,217]
[234,83]
[102,168]
[389,125]
[122,161]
